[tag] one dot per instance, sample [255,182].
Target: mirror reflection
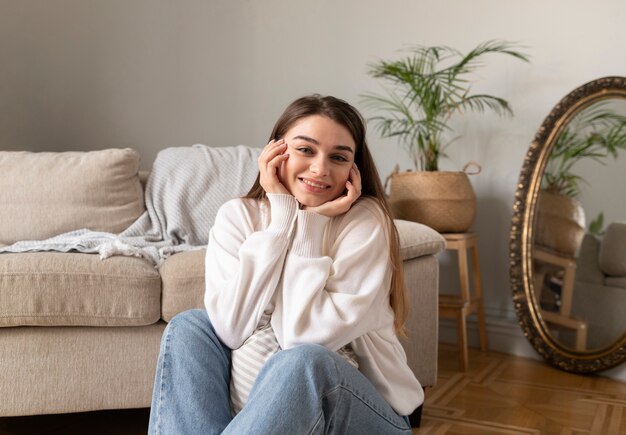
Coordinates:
[579,249]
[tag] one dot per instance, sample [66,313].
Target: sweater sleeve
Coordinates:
[243,266]
[334,298]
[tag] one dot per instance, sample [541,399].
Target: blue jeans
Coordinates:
[304,390]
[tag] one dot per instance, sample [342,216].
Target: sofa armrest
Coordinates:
[417,240]
[421,277]
[419,246]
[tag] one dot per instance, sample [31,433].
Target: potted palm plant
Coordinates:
[423,90]
[597,133]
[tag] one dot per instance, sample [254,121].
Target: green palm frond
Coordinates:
[424,89]
[481,102]
[597,133]
[596,226]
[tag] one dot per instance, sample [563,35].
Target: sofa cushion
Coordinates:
[612,257]
[616,281]
[45,288]
[46,194]
[182,277]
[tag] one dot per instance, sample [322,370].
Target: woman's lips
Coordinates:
[313,186]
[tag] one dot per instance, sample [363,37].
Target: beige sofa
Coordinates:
[78,333]
[599,295]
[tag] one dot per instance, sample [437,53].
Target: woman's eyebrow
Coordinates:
[306,138]
[315,142]
[344,148]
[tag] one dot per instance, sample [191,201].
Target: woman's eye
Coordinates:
[305,150]
[340,158]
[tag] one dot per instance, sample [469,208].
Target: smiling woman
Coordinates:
[304,297]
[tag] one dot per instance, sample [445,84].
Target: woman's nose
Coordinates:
[319,167]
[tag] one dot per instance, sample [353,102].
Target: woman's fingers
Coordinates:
[353,193]
[276,161]
[272,149]
[353,185]
[273,155]
[355,178]
[270,160]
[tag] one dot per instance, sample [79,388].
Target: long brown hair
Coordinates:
[344,114]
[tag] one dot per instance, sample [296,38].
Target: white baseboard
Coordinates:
[505,335]
[616,373]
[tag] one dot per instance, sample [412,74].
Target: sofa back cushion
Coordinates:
[612,257]
[46,194]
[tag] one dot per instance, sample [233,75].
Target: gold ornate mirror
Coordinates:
[568,234]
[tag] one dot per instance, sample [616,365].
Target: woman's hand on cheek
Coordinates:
[342,204]
[270,161]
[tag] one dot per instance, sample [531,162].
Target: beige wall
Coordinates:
[148,74]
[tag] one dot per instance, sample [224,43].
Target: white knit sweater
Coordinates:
[325,279]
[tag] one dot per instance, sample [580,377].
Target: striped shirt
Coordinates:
[248,360]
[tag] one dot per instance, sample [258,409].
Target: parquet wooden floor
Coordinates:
[507,395]
[499,394]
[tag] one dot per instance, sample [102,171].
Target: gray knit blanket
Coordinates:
[185,189]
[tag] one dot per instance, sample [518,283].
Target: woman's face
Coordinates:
[321,153]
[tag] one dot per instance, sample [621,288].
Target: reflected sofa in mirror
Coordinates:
[568,235]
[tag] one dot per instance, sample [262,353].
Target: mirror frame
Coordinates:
[520,243]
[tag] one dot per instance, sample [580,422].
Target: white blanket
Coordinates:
[186,187]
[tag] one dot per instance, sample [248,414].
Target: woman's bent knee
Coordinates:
[190,318]
[309,352]
[305,357]
[189,325]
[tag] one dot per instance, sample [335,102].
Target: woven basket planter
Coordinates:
[560,223]
[445,201]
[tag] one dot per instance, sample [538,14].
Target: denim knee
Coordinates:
[188,325]
[308,353]
[189,318]
[305,358]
